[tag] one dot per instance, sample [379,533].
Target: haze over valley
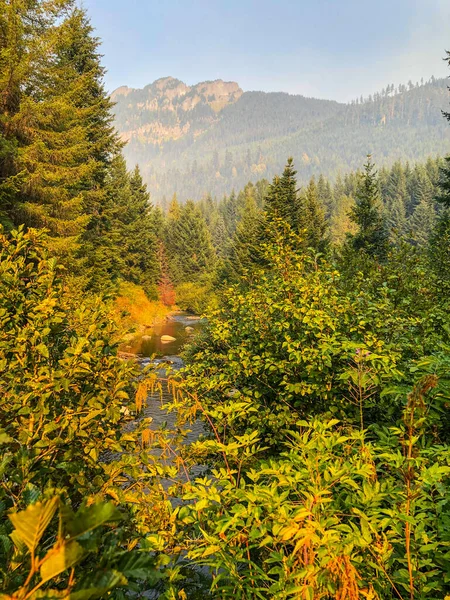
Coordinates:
[213,137]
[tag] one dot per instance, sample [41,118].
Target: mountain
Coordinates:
[212,137]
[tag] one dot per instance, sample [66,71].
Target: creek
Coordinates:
[150,349]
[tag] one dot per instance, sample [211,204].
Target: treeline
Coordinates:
[407,203]
[62,169]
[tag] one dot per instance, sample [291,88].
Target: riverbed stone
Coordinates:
[167,338]
[189,329]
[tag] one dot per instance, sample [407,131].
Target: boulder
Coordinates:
[189,329]
[167,338]
[145,338]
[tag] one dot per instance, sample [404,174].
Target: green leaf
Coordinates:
[139,565]
[43,350]
[31,523]
[91,517]
[99,586]
[5,438]
[59,558]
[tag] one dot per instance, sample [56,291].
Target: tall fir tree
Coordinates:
[243,252]
[396,218]
[188,244]
[312,224]
[282,200]
[325,195]
[27,51]
[421,223]
[372,235]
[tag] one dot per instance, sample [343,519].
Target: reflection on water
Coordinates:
[180,326]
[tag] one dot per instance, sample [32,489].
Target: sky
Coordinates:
[336,49]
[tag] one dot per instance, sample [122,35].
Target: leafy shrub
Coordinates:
[68,424]
[195,297]
[339,513]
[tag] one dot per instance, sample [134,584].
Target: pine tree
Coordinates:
[138,236]
[325,196]
[27,40]
[174,210]
[243,251]
[372,235]
[282,201]
[421,223]
[439,247]
[396,219]
[63,127]
[311,222]
[189,248]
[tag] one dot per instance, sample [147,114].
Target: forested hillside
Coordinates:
[212,137]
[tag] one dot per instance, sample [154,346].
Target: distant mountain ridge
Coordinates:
[212,136]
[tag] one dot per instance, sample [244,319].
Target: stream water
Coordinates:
[180,326]
[150,349]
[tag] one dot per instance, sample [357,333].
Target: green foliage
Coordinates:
[372,236]
[196,297]
[334,515]
[67,406]
[283,345]
[188,244]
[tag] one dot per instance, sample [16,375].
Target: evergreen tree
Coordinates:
[396,218]
[138,236]
[243,252]
[439,251]
[372,235]
[62,123]
[325,195]
[189,248]
[312,224]
[174,210]
[421,223]
[440,238]
[282,201]
[27,42]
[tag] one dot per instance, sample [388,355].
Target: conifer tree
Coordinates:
[174,210]
[421,223]
[62,124]
[325,195]
[189,248]
[372,235]
[312,224]
[243,252]
[138,236]
[396,218]
[282,201]
[27,39]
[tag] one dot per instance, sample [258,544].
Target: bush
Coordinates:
[68,404]
[195,297]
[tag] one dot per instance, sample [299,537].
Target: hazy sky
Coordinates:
[336,49]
